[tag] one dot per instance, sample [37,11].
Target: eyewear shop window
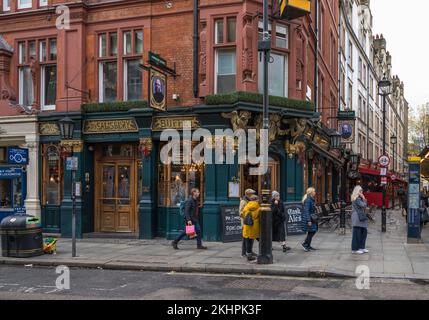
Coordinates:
[175,182]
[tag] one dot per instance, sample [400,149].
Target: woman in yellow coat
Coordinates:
[251,232]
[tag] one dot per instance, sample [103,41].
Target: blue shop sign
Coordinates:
[17,156]
[10,173]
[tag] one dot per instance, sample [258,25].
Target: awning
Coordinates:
[369,171]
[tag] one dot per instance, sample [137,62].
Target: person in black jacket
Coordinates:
[191,218]
[279,219]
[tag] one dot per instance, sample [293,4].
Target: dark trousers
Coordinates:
[310,236]
[197,231]
[243,247]
[359,238]
[249,246]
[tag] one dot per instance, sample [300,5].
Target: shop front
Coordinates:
[12,190]
[129,191]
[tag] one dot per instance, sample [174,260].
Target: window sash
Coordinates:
[104,78]
[6,5]
[225,75]
[26,90]
[278,75]
[219,31]
[48,90]
[133,85]
[43,3]
[24,4]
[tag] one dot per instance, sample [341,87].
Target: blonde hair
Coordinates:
[356,193]
[308,193]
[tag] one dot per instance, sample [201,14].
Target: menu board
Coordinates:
[294,212]
[231,224]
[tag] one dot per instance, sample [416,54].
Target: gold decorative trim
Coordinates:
[146,143]
[49,129]
[72,145]
[110,126]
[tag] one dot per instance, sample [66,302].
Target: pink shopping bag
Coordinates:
[190,231]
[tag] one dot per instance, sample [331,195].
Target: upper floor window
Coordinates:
[24,4]
[279,63]
[350,54]
[133,74]
[107,68]
[6,5]
[43,3]
[225,55]
[37,63]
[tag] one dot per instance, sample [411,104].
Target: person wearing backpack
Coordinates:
[309,218]
[247,195]
[191,217]
[251,225]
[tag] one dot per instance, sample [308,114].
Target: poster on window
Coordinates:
[157,90]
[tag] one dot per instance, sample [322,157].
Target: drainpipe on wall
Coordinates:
[196,40]
[316,58]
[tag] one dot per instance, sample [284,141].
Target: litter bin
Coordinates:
[21,236]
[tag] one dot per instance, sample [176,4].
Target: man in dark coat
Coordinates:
[191,218]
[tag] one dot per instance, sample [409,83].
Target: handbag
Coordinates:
[248,219]
[190,231]
[314,217]
[362,215]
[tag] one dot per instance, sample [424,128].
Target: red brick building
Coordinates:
[97,60]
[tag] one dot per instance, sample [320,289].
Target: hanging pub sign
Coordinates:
[157,90]
[347,128]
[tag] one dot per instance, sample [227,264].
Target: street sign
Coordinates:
[384,161]
[17,156]
[383,180]
[157,60]
[383,172]
[72,163]
[393,177]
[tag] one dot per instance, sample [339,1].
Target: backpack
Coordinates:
[182,207]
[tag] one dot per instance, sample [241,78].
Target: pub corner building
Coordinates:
[114,79]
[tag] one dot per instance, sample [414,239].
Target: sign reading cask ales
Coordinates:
[231,224]
[294,211]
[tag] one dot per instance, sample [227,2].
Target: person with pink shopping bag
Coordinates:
[192,224]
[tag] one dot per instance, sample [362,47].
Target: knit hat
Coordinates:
[275,194]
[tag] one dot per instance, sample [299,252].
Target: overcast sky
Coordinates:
[405,25]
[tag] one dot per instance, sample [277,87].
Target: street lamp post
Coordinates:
[393,141]
[66,126]
[265,244]
[384,90]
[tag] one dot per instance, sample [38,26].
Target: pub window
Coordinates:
[108,69]
[45,52]
[175,182]
[52,174]
[279,63]
[6,5]
[225,55]
[24,4]
[133,74]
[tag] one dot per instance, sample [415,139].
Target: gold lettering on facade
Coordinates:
[162,123]
[110,126]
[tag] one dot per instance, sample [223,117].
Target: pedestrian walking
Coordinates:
[359,221]
[251,225]
[191,218]
[309,218]
[402,194]
[279,219]
[247,195]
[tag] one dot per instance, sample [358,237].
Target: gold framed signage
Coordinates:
[157,90]
[162,123]
[49,129]
[347,129]
[110,126]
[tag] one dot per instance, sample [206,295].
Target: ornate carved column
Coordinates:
[203,59]
[32,202]
[248,53]
[6,90]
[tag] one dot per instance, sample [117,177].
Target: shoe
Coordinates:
[174,244]
[305,248]
[312,249]
[365,250]
[286,248]
[254,254]
[251,258]
[358,252]
[202,247]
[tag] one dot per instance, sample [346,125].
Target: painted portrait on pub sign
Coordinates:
[346,129]
[158,90]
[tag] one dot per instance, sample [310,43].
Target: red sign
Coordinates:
[393,177]
[384,161]
[383,180]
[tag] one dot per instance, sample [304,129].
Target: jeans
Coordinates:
[243,247]
[310,236]
[249,246]
[359,238]
[197,231]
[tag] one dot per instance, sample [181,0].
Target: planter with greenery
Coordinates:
[116,106]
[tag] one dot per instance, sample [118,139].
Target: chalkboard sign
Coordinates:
[231,224]
[294,212]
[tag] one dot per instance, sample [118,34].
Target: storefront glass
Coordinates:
[51,193]
[6,194]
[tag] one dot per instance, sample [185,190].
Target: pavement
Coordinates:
[390,256]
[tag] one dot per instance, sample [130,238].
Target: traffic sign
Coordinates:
[383,172]
[393,177]
[383,180]
[384,161]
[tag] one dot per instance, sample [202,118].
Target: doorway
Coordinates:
[268,181]
[116,203]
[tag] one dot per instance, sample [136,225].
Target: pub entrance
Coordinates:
[270,179]
[116,188]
